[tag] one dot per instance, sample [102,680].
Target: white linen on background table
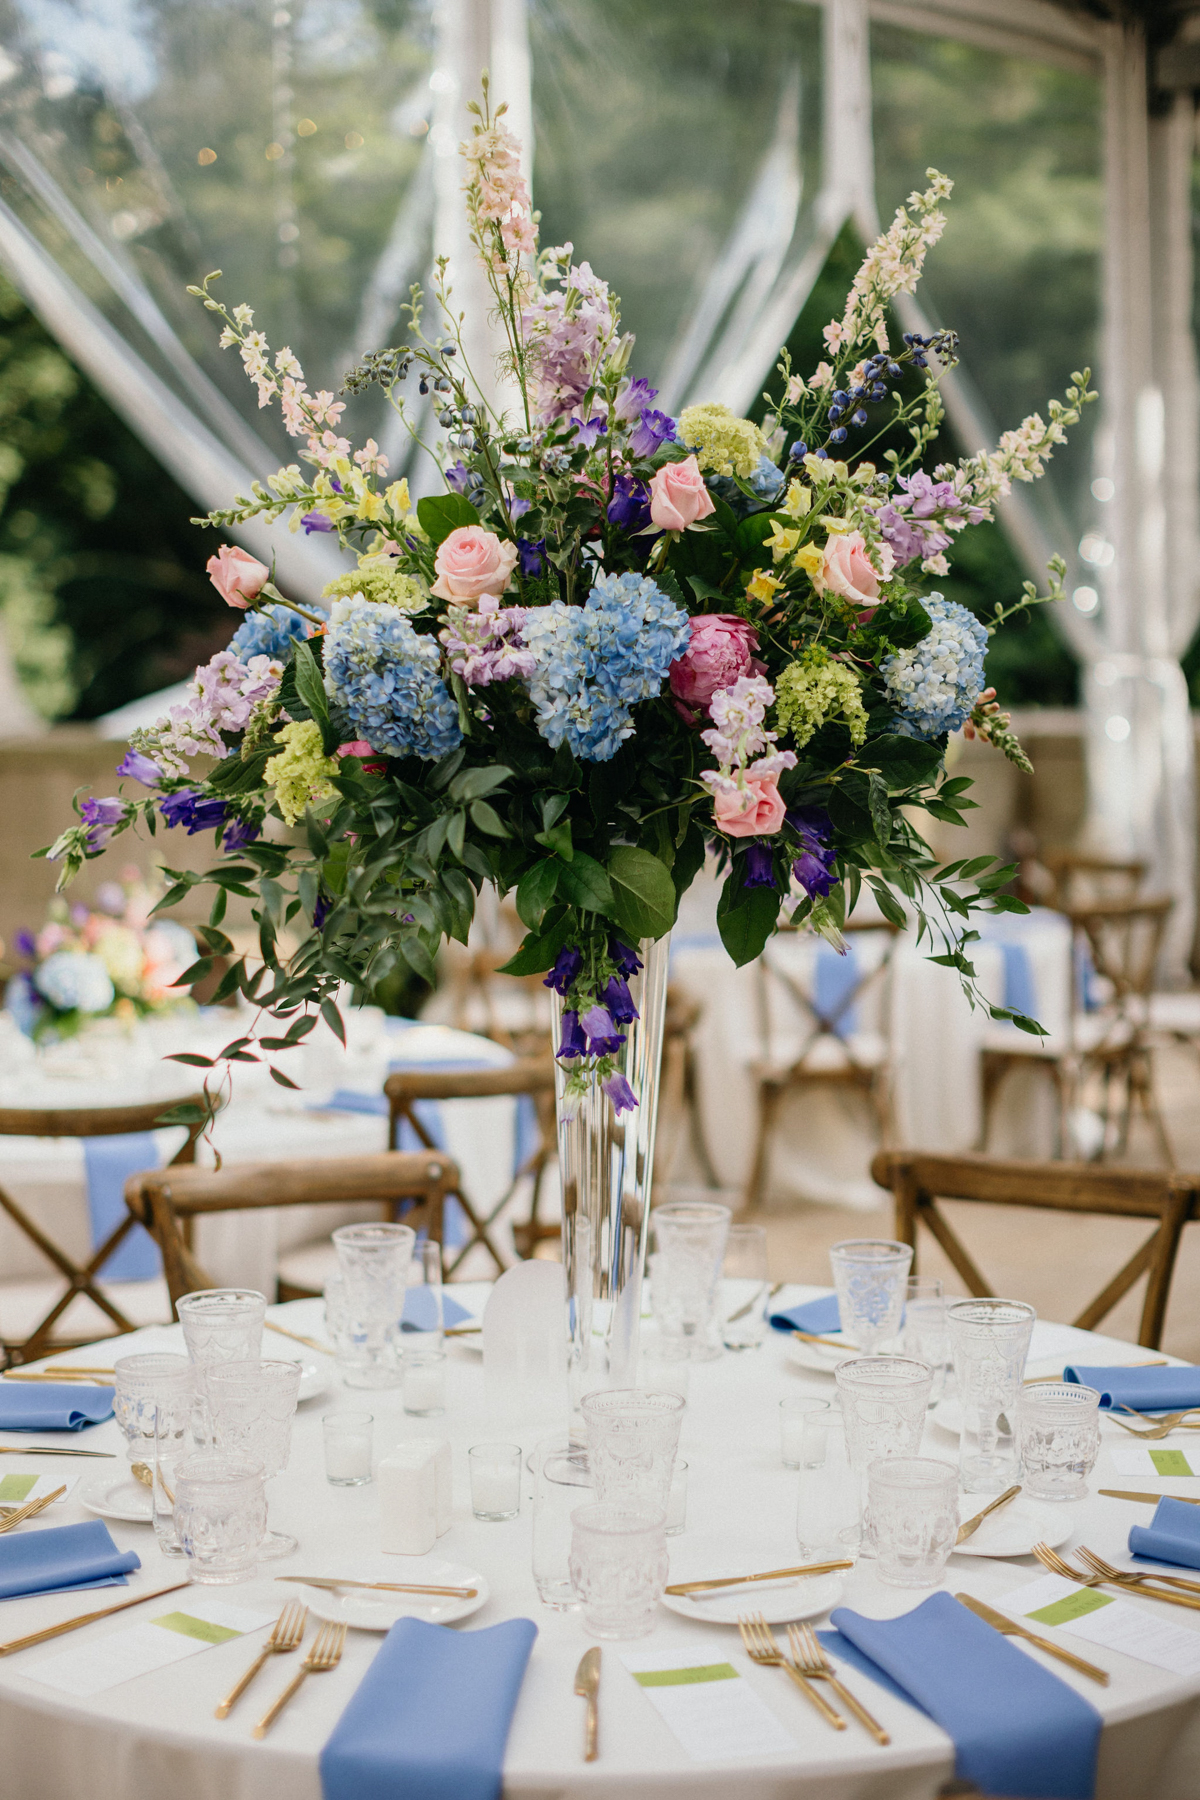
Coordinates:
[156,1739]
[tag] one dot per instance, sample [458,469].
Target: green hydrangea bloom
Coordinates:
[724,444]
[300,773]
[814,689]
[377,578]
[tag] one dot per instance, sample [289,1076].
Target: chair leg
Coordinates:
[768,1104]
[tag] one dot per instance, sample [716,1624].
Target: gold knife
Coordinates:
[53,1631]
[811,1337]
[56,1376]
[1150,1499]
[51,1450]
[298,1337]
[587,1686]
[387,1587]
[697,1587]
[1009,1627]
[971,1525]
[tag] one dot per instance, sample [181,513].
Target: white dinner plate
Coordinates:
[118,1498]
[314,1380]
[803,1597]
[824,1358]
[1016,1528]
[368,1609]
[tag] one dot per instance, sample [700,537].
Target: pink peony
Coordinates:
[849,571]
[368,757]
[237,576]
[678,496]
[756,810]
[719,650]
[471,562]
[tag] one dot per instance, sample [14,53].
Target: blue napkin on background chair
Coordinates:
[1173,1535]
[431,1715]
[108,1163]
[1019,1732]
[420,1312]
[817,1316]
[836,974]
[62,1556]
[53,1405]
[1145,1389]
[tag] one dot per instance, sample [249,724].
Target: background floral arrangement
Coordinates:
[616,642]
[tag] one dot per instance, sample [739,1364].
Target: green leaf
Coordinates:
[558,839]
[705,590]
[233,776]
[309,684]
[746,918]
[902,761]
[283,1080]
[535,890]
[669,584]
[643,901]
[474,784]
[418,958]
[333,1019]
[583,882]
[190,1057]
[456,832]
[538,951]
[440,514]
[486,819]
[881,812]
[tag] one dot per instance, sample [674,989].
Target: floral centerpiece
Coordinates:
[618,641]
[111,961]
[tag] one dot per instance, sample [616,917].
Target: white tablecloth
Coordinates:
[155,1738]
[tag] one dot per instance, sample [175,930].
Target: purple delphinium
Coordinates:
[633,399]
[652,430]
[531,555]
[101,817]
[630,504]
[193,810]
[588,430]
[603,1037]
[321,911]
[140,768]
[813,869]
[565,972]
[239,834]
[315,521]
[628,961]
[618,1000]
[760,866]
[574,1043]
[619,1092]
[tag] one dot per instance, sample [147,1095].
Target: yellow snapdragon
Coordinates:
[799,499]
[781,543]
[762,586]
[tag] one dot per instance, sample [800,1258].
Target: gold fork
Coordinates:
[1161,1428]
[325,1653]
[809,1656]
[21,1513]
[287,1633]
[761,1648]
[1087,1578]
[1136,1577]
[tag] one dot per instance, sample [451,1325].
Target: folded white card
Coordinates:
[1108,1620]
[200,1621]
[715,1714]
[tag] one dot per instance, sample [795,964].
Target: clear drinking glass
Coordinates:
[373,1261]
[883,1400]
[424,1382]
[1058,1438]
[664,1366]
[618,1567]
[913,1503]
[337,1322]
[139,1382]
[744,1287]
[220,1516]
[495,1480]
[347,1448]
[424,1320]
[802,1421]
[924,1333]
[632,1438]
[172,1446]
[251,1406]
[870,1275]
[827,1505]
[685,1272]
[677,1499]
[562,1482]
[220,1325]
[989,1341]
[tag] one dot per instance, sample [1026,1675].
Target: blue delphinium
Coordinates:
[936,683]
[387,677]
[270,632]
[595,662]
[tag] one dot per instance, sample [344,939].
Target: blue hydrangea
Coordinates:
[595,662]
[267,633]
[935,685]
[388,678]
[765,481]
[75,982]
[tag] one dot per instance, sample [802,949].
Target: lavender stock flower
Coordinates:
[565,972]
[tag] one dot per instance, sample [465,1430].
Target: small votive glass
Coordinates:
[744,1288]
[802,1422]
[924,1334]
[220,1517]
[495,1480]
[562,1482]
[424,1383]
[1058,1439]
[913,1503]
[827,1504]
[347,1448]
[618,1567]
[677,1500]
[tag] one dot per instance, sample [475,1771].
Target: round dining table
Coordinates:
[155,1737]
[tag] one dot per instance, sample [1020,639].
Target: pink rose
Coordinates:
[719,650]
[471,562]
[849,571]
[237,576]
[678,496]
[756,810]
[368,757]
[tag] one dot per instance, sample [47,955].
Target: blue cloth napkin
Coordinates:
[53,1405]
[1173,1535]
[108,1163]
[835,977]
[1019,1732]
[62,1556]
[1020,993]
[431,1715]
[817,1316]
[1146,1390]
[420,1311]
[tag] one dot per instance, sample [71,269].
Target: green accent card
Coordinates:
[187,1626]
[15,1488]
[1171,1462]
[1073,1606]
[684,1677]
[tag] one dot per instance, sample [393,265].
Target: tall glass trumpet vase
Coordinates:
[607,1165]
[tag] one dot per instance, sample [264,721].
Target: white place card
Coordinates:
[16,1488]
[1154,1460]
[197,1623]
[1106,1619]
[715,1714]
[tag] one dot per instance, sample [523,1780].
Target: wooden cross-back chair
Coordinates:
[410,1186]
[1079,880]
[918,1181]
[80,1122]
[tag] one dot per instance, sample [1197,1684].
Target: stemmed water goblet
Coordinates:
[870,1275]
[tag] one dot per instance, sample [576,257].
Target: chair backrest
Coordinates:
[1078,880]
[99,1121]
[1124,939]
[918,1179]
[526,1075]
[164,1199]
[512,1010]
[824,1025]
